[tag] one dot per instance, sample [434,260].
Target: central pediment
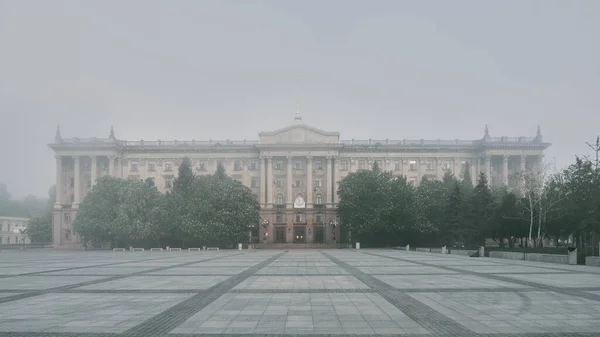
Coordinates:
[299,134]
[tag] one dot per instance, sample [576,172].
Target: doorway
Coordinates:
[279,234]
[299,234]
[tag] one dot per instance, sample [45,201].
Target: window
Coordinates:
[446,166]
[413,180]
[279,218]
[429,165]
[168,166]
[361,165]
[397,166]
[168,182]
[279,165]
[134,167]
[151,167]
[237,165]
[319,165]
[279,182]
[201,166]
[300,217]
[319,199]
[319,182]
[279,199]
[254,164]
[463,166]
[298,183]
[254,182]
[344,165]
[298,165]
[318,218]
[379,163]
[67,217]
[412,165]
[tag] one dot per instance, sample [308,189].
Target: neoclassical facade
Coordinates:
[12,230]
[293,171]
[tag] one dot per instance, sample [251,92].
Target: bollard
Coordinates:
[239,246]
[444,250]
[481,251]
[572,255]
[407,248]
[358,245]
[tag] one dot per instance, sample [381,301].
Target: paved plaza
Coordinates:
[296,292]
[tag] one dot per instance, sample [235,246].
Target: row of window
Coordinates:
[9,227]
[279,199]
[299,218]
[299,165]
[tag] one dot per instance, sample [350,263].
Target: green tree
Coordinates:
[39,229]
[456,229]
[430,207]
[482,210]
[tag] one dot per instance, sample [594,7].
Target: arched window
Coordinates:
[279,199]
[319,199]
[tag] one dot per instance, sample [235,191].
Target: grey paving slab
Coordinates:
[568,280]
[443,281]
[289,314]
[274,270]
[404,270]
[516,312]
[99,271]
[201,270]
[302,282]
[43,282]
[159,282]
[84,312]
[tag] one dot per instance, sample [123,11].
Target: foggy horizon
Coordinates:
[227,70]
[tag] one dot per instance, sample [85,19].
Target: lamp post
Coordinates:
[265,225]
[250,230]
[333,224]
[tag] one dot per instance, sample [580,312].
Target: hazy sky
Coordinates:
[226,70]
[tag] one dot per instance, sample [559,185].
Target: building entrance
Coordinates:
[299,234]
[279,234]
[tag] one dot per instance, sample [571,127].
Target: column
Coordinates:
[505,170]
[111,166]
[473,171]
[94,169]
[59,182]
[336,179]
[523,168]
[269,182]
[329,199]
[309,182]
[418,171]
[288,191]
[487,172]
[456,168]
[263,183]
[77,178]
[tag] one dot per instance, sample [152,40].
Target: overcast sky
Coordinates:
[226,70]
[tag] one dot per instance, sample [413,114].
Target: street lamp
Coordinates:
[333,224]
[265,225]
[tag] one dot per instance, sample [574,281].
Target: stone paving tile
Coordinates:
[43,282]
[559,280]
[302,282]
[443,281]
[84,312]
[98,271]
[301,271]
[515,312]
[159,282]
[301,314]
[200,270]
[500,269]
[404,270]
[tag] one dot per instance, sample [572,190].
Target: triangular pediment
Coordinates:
[299,134]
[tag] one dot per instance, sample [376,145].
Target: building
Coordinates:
[293,171]
[12,230]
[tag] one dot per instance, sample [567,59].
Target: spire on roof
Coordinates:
[112,133]
[57,137]
[538,137]
[486,136]
[297,118]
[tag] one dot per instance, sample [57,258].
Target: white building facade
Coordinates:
[12,230]
[293,171]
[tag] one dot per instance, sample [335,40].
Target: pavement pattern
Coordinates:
[45,293]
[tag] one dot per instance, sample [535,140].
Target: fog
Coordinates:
[227,70]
